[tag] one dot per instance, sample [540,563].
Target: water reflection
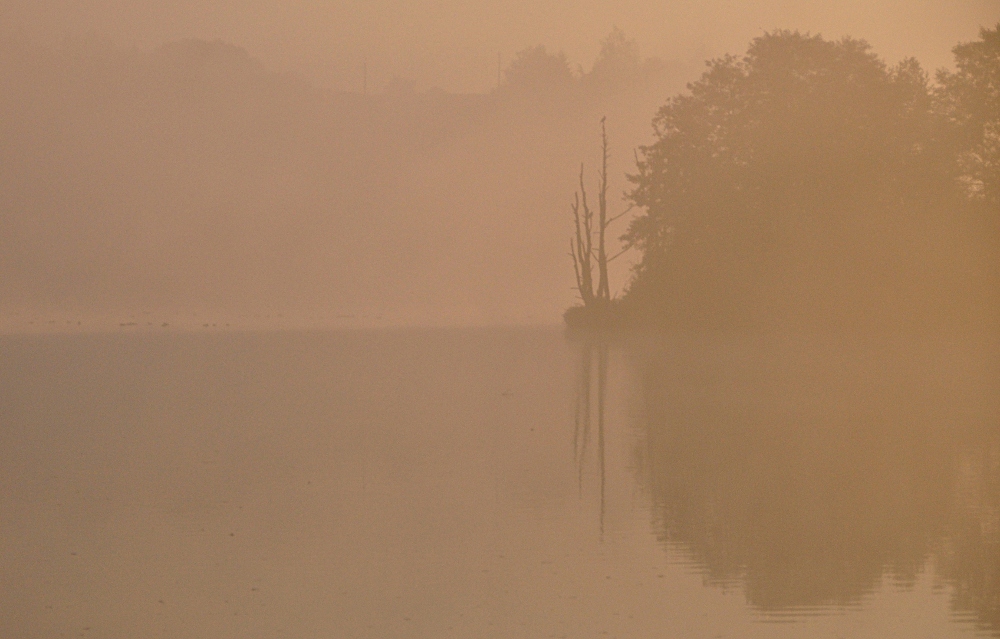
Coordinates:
[584,400]
[421,484]
[971,559]
[811,473]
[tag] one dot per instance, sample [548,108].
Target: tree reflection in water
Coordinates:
[971,557]
[809,471]
[584,400]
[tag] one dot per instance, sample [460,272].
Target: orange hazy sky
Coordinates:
[453,44]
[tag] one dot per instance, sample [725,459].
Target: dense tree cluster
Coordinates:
[537,73]
[809,182]
[970,99]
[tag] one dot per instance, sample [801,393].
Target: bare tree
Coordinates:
[582,247]
[603,289]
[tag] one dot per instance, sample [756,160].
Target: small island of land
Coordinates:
[809,185]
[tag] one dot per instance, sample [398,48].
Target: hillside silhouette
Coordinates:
[190,176]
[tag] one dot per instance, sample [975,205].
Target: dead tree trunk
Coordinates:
[582,247]
[603,287]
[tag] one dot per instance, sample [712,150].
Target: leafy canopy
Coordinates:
[784,174]
[970,100]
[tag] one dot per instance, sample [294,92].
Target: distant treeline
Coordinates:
[809,184]
[190,175]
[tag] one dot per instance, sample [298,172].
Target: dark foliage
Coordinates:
[810,184]
[970,100]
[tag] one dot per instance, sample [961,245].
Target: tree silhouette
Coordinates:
[535,70]
[618,62]
[792,181]
[970,100]
[585,255]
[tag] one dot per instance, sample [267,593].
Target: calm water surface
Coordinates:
[498,483]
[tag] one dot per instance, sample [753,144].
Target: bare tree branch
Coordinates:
[619,253]
[621,215]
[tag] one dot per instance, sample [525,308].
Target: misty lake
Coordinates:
[497,483]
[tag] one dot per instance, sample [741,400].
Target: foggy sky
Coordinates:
[185,174]
[453,44]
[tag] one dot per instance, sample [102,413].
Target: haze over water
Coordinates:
[292,346]
[498,483]
[347,160]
